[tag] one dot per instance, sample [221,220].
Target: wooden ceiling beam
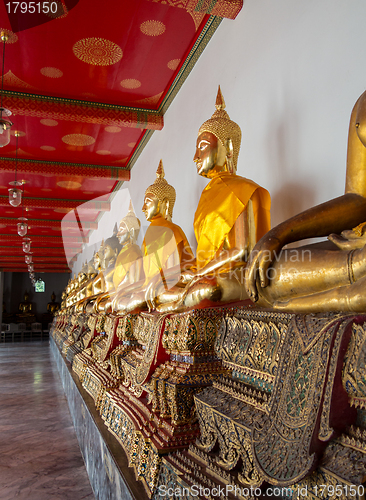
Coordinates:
[51,203]
[12,221]
[64,169]
[78,111]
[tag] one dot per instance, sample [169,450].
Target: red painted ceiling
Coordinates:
[86,85]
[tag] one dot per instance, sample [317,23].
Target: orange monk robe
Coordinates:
[126,257]
[163,239]
[222,201]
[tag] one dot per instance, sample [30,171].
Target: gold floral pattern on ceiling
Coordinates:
[51,72]
[48,148]
[103,152]
[69,184]
[130,83]
[150,101]
[173,64]
[78,140]
[10,80]
[97,51]
[49,122]
[152,28]
[113,130]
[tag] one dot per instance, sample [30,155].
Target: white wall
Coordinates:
[290,72]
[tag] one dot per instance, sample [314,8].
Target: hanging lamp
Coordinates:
[26,245]
[22,224]
[28,258]
[5,124]
[15,194]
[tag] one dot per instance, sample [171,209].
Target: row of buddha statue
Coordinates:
[164,275]
[238,256]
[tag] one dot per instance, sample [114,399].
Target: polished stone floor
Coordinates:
[40,457]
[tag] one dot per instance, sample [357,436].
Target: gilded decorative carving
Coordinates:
[193,331]
[354,370]
[277,419]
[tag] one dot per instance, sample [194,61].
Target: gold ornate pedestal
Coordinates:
[174,358]
[280,419]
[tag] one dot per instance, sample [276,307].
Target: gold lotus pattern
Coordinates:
[51,72]
[69,184]
[48,148]
[152,28]
[13,81]
[173,64]
[103,152]
[148,101]
[78,140]
[49,122]
[113,130]
[97,51]
[130,83]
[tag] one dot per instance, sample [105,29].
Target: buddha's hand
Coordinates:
[261,257]
[187,276]
[349,239]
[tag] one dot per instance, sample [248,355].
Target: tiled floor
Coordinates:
[40,457]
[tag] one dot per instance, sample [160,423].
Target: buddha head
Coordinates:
[159,197]
[98,257]
[361,119]
[53,297]
[111,249]
[91,268]
[218,143]
[129,227]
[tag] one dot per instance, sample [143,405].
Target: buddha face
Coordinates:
[108,255]
[151,207]
[123,233]
[97,260]
[210,155]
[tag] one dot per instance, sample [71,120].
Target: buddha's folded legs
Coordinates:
[326,280]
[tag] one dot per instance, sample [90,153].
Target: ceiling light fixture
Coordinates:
[5,124]
[15,194]
[26,245]
[22,224]
[28,258]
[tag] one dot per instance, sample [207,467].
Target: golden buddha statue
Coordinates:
[232,214]
[129,260]
[329,276]
[90,273]
[53,306]
[165,245]
[76,285]
[104,280]
[25,307]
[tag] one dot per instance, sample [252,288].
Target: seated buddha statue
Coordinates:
[76,285]
[332,275]
[129,260]
[104,280]
[165,246]
[25,307]
[232,214]
[90,273]
[26,312]
[53,306]
[88,289]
